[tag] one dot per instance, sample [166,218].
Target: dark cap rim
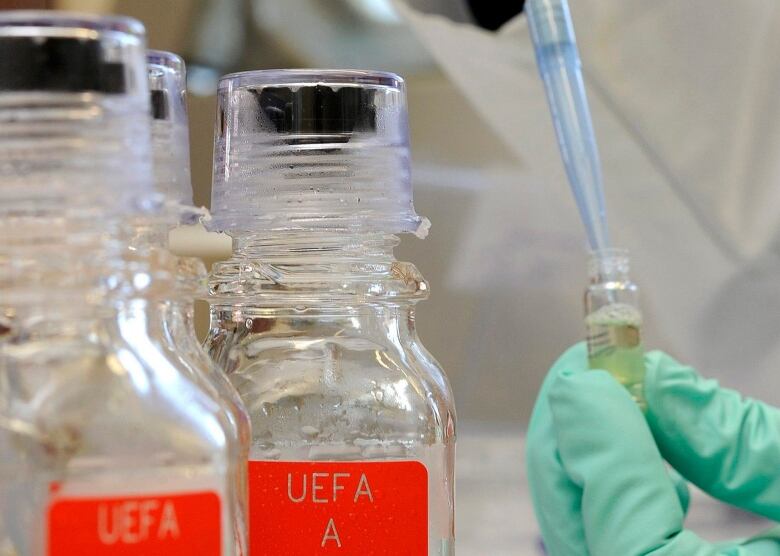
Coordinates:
[305,77]
[71,20]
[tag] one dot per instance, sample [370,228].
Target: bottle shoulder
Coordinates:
[435,374]
[183,345]
[99,401]
[177,388]
[331,388]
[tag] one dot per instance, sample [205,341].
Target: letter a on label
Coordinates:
[363,489]
[169,526]
[331,534]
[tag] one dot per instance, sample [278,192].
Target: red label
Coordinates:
[159,525]
[344,508]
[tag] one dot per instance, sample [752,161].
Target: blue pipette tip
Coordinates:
[555,45]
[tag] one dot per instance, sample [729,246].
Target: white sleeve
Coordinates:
[455,10]
[687,116]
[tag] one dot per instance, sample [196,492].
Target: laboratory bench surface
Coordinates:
[494,516]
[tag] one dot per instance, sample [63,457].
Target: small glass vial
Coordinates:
[313,318]
[107,446]
[614,321]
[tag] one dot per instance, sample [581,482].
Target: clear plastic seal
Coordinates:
[170,136]
[313,150]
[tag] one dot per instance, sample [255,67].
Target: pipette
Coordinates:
[559,64]
[613,316]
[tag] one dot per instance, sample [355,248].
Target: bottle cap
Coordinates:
[312,150]
[66,52]
[170,132]
[74,112]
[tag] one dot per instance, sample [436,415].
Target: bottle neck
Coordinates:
[609,265]
[336,245]
[61,261]
[315,269]
[85,274]
[148,233]
[611,296]
[151,229]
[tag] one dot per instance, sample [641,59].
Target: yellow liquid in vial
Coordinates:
[615,345]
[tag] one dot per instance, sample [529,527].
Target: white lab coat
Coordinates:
[685,98]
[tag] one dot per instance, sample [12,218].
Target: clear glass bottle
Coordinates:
[171,166]
[313,319]
[614,321]
[106,445]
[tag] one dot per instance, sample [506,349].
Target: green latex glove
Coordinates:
[595,462]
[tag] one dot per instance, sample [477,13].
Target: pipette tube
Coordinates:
[559,64]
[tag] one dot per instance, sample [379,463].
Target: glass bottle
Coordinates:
[171,166]
[313,319]
[106,445]
[614,321]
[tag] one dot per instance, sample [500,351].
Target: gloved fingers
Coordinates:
[765,544]
[762,547]
[727,445]
[555,497]
[559,500]
[681,488]
[629,504]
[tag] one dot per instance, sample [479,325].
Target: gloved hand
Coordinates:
[595,462]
